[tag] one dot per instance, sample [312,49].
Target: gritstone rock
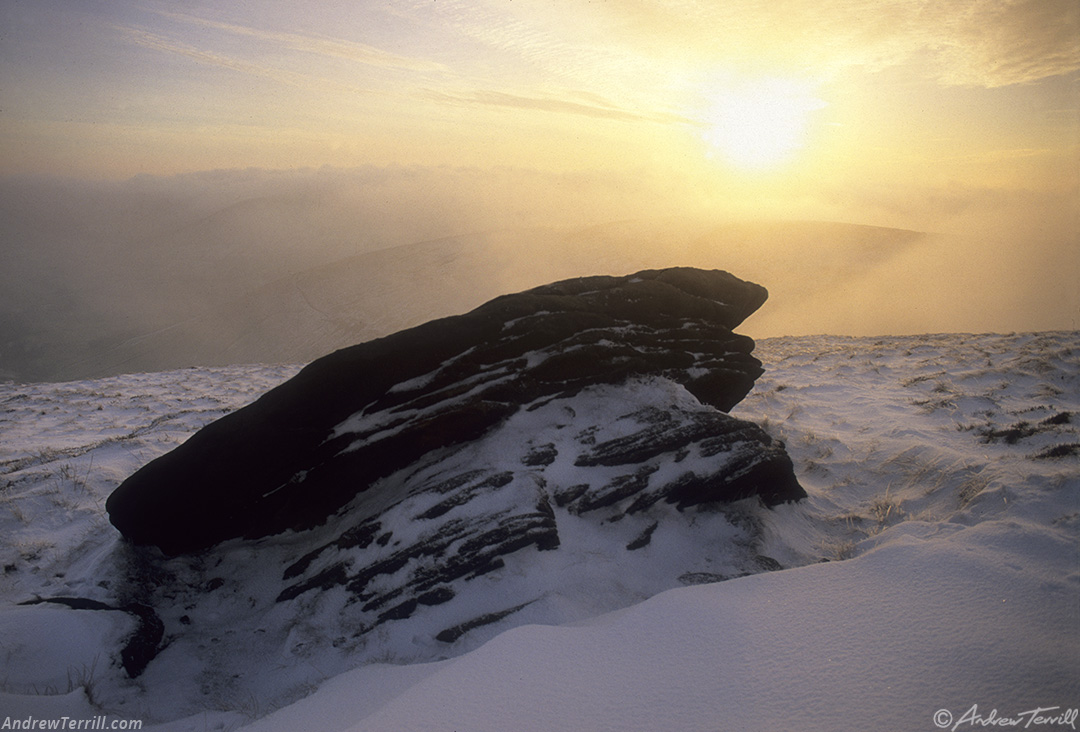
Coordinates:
[410,402]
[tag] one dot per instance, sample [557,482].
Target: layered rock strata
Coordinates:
[304,450]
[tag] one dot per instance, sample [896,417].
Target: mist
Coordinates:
[152,273]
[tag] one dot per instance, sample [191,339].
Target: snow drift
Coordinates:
[943,490]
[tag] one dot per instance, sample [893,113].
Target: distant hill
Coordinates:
[180,301]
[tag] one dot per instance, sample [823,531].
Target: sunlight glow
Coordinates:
[759,124]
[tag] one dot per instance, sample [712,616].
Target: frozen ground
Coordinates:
[933,580]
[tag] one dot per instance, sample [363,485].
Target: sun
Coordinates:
[759,124]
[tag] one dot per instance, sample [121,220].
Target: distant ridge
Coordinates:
[224,308]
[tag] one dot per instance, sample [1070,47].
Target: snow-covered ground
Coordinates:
[932,581]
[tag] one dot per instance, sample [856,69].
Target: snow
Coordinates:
[935,566]
[54,649]
[874,644]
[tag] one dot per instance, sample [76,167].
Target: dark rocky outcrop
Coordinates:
[612,458]
[549,456]
[304,450]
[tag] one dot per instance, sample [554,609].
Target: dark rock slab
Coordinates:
[450,635]
[622,454]
[547,457]
[304,450]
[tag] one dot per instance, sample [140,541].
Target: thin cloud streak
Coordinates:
[544,43]
[997,44]
[157,42]
[985,43]
[323,46]
[555,105]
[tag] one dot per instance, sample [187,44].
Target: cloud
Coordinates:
[299,79]
[985,43]
[268,57]
[597,109]
[1000,43]
[158,42]
[319,45]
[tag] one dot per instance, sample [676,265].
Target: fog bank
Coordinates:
[253,265]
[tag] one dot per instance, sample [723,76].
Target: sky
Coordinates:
[982,92]
[941,116]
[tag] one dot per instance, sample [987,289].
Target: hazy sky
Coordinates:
[945,93]
[950,116]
